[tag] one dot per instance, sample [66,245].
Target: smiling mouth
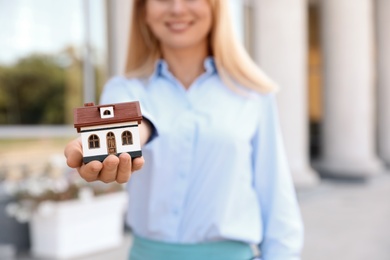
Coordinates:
[178,26]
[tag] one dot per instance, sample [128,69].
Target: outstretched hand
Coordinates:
[112,169]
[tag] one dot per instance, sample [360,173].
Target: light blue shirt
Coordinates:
[217,169]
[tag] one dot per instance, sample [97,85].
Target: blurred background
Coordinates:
[331,59]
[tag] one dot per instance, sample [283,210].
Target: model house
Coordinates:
[109,129]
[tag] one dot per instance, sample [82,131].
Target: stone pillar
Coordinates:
[349,117]
[383,76]
[281,51]
[237,13]
[118,24]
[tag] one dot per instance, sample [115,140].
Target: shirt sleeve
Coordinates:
[120,89]
[281,219]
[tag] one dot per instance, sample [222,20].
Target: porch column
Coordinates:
[118,23]
[383,77]
[349,119]
[281,50]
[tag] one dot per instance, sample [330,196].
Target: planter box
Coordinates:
[12,233]
[70,229]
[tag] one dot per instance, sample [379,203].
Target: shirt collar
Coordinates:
[161,68]
[209,65]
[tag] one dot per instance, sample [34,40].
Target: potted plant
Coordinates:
[67,216]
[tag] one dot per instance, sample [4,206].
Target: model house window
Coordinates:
[93,141]
[107,112]
[127,138]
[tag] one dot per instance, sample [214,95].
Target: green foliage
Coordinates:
[32,91]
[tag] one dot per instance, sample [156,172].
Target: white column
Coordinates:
[237,13]
[383,76]
[118,23]
[349,119]
[281,51]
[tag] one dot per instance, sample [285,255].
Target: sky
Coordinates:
[47,26]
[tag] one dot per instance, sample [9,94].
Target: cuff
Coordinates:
[146,116]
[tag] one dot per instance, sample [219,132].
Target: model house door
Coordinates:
[111,144]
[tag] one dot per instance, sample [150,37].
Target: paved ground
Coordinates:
[344,220]
[347,220]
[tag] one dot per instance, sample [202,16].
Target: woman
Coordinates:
[215,180]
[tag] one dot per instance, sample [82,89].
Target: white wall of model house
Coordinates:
[117,129]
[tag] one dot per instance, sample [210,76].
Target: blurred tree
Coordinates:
[73,83]
[32,91]
[3,98]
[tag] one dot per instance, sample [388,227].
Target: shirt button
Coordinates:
[176,211]
[182,175]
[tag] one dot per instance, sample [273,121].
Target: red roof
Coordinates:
[89,115]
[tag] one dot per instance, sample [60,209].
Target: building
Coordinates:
[330,59]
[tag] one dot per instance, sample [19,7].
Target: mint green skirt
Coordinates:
[145,249]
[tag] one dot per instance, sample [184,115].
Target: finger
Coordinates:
[90,171]
[74,153]
[124,168]
[137,163]
[109,171]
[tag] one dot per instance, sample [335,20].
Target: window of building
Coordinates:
[127,138]
[94,142]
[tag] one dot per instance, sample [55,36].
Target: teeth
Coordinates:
[178,26]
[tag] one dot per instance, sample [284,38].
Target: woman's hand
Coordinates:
[112,169]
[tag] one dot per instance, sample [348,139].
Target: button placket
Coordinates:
[185,133]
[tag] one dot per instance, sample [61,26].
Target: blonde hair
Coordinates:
[232,61]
